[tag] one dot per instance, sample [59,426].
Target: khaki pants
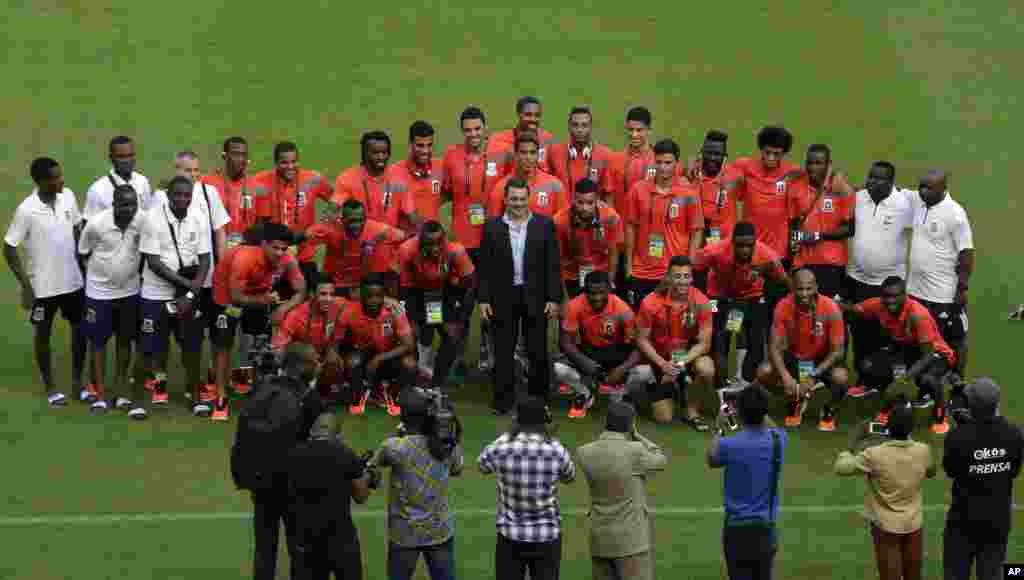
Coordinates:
[635,567]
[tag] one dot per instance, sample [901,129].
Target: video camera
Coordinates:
[442,427]
[264,360]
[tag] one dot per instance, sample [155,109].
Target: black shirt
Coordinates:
[982,459]
[320,474]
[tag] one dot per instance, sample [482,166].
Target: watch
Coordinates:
[190,295]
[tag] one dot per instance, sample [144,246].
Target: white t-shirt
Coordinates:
[193,235]
[100,195]
[49,238]
[113,268]
[213,214]
[879,246]
[940,233]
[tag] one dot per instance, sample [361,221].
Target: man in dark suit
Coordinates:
[519,281]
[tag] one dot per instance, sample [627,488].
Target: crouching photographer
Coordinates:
[422,458]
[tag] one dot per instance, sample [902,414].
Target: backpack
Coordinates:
[268,427]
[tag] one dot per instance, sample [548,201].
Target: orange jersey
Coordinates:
[829,211]
[718,201]
[914,325]
[241,199]
[449,269]
[663,224]
[766,197]
[570,165]
[378,334]
[547,195]
[587,248]
[611,327]
[672,325]
[347,260]
[423,185]
[386,200]
[727,279]
[470,179]
[811,334]
[292,206]
[625,170]
[321,330]
[247,269]
[501,146]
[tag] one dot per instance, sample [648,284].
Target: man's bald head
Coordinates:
[932,187]
[804,275]
[936,178]
[805,287]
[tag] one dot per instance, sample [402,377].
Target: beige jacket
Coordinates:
[895,470]
[616,467]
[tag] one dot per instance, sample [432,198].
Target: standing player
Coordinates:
[942,261]
[420,175]
[176,246]
[503,144]
[100,195]
[370,183]
[548,194]
[580,158]
[238,192]
[589,237]
[635,163]
[383,348]
[806,349]
[438,287]
[673,332]
[664,219]
[110,244]
[292,193]
[47,223]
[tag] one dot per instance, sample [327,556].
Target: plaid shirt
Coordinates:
[527,468]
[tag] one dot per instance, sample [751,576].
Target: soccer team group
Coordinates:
[665,261]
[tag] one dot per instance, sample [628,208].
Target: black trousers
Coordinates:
[507,317]
[270,508]
[867,334]
[749,552]
[961,547]
[320,555]
[757,320]
[512,559]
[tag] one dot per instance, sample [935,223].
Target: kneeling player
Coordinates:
[806,351]
[915,350]
[674,334]
[383,348]
[597,338]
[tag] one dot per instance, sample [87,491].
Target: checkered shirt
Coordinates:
[527,467]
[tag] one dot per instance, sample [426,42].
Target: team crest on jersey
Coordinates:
[827,205]
[593,173]
[300,199]
[673,211]
[38,314]
[780,186]
[542,198]
[753,275]
[90,315]
[247,201]
[435,187]
[387,327]
[608,328]
[147,325]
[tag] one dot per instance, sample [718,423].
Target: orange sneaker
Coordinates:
[579,407]
[220,411]
[90,394]
[796,413]
[243,389]
[940,423]
[392,406]
[207,393]
[827,422]
[882,417]
[359,406]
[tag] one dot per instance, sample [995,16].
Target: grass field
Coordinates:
[924,84]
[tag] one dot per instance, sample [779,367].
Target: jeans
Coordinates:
[749,551]
[961,547]
[440,560]
[512,559]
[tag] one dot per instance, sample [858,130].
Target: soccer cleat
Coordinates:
[882,417]
[827,422]
[201,410]
[796,413]
[242,389]
[138,413]
[580,404]
[89,394]
[220,411]
[150,384]
[860,391]
[923,402]
[359,406]
[122,403]
[160,392]
[207,393]
[98,407]
[56,399]
[392,406]
[940,422]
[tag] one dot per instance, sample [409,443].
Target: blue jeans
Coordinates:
[440,560]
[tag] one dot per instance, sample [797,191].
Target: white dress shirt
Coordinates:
[941,232]
[100,195]
[517,236]
[113,270]
[879,246]
[213,215]
[48,234]
[193,237]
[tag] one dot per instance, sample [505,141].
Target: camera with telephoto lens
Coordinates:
[368,467]
[443,428]
[263,358]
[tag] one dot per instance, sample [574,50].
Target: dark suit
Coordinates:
[542,283]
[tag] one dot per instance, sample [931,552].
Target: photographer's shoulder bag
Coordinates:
[187,272]
[268,425]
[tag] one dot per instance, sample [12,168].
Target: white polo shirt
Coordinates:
[940,233]
[100,195]
[213,215]
[113,268]
[193,237]
[879,245]
[49,238]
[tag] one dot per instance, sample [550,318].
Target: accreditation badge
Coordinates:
[656,246]
[476,215]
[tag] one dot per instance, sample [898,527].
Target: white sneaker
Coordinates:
[122,403]
[138,413]
[201,410]
[98,407]
[56,399]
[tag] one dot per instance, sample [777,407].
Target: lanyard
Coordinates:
[655,194]
[385,202]
[687,311]
[174,238]
[309,323]
[483,175]
[719,203]
[279,194]
[242,210]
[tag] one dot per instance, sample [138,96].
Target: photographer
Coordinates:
[982,457]
[895,470]
[274,419]
[326,539]
[421,462]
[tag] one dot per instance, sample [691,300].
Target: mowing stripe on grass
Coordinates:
[105,519]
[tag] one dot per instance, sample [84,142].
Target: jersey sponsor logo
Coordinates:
[989,453]
[780,186]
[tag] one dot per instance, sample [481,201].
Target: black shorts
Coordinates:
[105,318]
[389,370]
[256,320]
[608,357]
[416,305]
[831,280]
[71,305]
[950,318]
[884,361]
[658,391]
[855,291]
[220,327]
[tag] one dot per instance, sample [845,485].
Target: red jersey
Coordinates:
[379,334]
[718,201]
[347,260]
[423,186]
[501,146]
[386,200]
[825,213]
[449,269]
[813,333]
[241,198]
[292,206]
[727,279]
[570,165]
[913,326]
[622,175]
[247,269]
[470,179]
[612,326]
[587,249]
[663,224]
[674,326]
[321,330]
[547,195]
[766,197]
